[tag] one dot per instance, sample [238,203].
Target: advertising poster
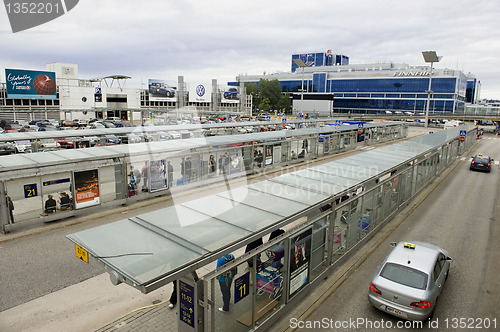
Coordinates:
[86,188]
[269,154]
[300,258]
[160,90]
[30,84]
[157,175]
[200,92]
[230,95]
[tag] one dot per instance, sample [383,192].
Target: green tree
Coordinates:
[285,103]
[252,90]
[265,105]
[270,89]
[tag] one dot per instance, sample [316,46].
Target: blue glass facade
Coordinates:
[320,59]
[319,82]
[394,85]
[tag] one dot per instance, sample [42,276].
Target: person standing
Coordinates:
[170,170]
[183,170]
[225,281]
[10,205]
[212,164]
[173,296]
[188,169]
[50,205]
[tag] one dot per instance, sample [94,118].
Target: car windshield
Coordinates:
[404,275]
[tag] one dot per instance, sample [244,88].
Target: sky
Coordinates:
[219,39]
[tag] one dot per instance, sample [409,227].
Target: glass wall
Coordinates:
[274,275]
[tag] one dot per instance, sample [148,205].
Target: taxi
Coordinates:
[408,283]
[481,162]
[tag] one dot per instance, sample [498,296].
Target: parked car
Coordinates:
[29,128]
[23,146]
[410,280]
[96,125]
[47,144]
[13,127]
[130,139]
[481,162]
[48,128]
[7,148]
[112,140]
[121,124]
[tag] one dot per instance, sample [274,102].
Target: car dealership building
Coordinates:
[71,97]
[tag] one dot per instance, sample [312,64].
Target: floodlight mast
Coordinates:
[429,57]
[300,63]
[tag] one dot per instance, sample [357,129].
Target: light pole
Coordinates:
[430,56]
[300,63]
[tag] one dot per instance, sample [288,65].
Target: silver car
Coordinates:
[408,283]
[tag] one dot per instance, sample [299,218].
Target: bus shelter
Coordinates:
[325,214]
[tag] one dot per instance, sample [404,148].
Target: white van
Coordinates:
[453,124]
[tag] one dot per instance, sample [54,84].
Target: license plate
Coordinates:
[394,311]
[81,253]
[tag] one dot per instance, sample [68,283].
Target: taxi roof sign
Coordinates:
[409,245]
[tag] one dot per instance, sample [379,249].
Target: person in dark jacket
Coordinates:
[65,201]
[50,205]
[10,205]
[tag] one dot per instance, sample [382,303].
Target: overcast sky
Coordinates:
[218,39]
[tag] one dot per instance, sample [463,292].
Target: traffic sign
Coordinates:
[463,132]
[462,139]
[360,130]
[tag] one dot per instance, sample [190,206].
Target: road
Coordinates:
[461,216]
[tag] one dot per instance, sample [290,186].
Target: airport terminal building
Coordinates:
[327,83]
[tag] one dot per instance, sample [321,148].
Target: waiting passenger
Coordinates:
[65,201]
[50,205]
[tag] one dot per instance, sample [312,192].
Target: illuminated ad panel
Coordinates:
[200,92]
[230,95]
[29,84]
[160,90]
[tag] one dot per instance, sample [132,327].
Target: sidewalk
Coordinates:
[88,306]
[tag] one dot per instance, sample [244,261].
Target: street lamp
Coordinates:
[300,63]
[430,56]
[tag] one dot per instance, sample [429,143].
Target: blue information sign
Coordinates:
[360,125]
[186,294]
[463,132]
[30,190]
[241,287]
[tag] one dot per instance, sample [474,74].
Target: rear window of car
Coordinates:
[481,159]
[404,275]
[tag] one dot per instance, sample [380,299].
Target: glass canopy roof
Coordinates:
[151,246]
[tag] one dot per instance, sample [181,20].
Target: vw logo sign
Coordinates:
[200,90]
